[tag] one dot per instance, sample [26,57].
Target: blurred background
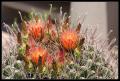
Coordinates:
[104,14]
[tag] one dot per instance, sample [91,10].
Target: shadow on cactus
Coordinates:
[52,49]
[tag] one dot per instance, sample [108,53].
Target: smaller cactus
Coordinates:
[38,52]
[69,39]
[35,28]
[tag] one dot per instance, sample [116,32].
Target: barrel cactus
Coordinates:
[52,49]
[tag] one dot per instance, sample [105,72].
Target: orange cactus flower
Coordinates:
[35,29]
[69,39]
[38,52]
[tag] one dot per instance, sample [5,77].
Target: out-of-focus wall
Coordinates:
[10,9]
[103,14]
[96,14]
[112,19]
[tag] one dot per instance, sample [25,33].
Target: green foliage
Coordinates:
[77,53]
[18,64]
[25,38]
[7,71]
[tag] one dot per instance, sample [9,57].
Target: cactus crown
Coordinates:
[47,48]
